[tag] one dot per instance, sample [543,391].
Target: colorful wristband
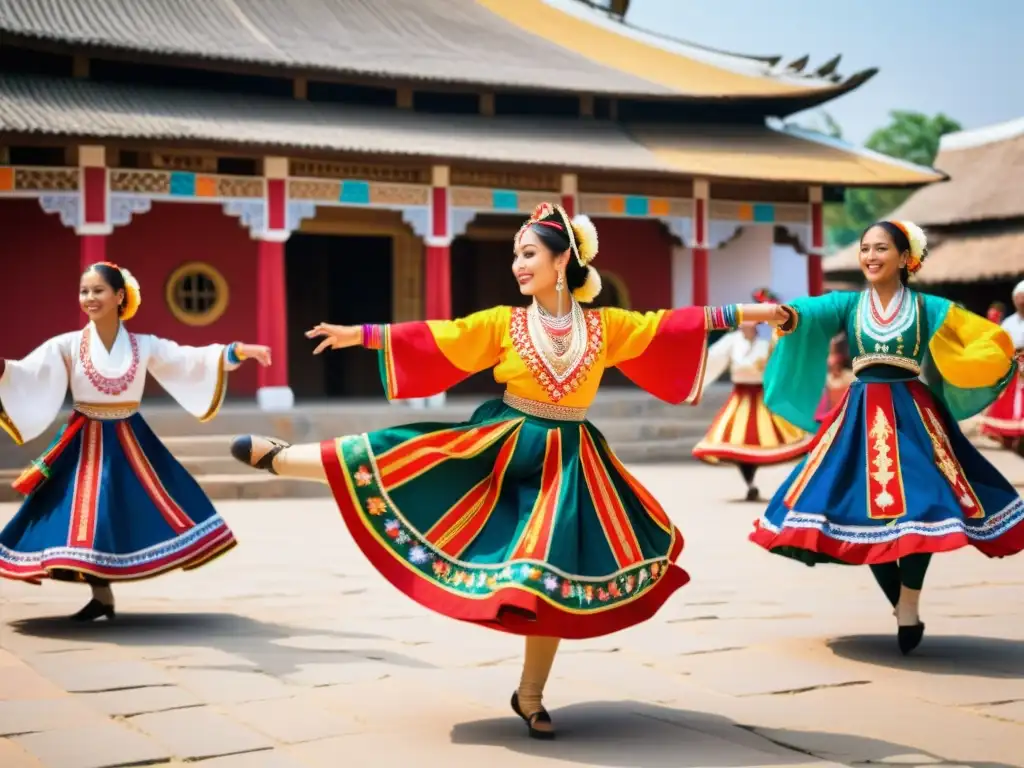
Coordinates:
[373,336]
[724,318]
[234,356]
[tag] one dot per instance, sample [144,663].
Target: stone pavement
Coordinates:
[291,652]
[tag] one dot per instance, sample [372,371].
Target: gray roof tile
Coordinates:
[438,40]
[82,108]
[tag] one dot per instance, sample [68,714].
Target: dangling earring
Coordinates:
[560,287]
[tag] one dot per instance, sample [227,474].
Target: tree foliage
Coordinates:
[909,136]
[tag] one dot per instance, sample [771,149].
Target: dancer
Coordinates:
[107,501]
[521,519]
[1004,421]
[838,379]
[744,432]
[891,479]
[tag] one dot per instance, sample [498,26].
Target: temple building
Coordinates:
[263,166]
[974,222]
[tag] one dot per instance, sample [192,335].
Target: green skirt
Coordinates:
[509,521]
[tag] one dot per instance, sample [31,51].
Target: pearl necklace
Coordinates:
[561,341]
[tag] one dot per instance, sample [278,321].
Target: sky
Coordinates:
[961,57]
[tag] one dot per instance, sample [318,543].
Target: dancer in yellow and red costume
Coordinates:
[521,519]
[1004,421]
[745,432]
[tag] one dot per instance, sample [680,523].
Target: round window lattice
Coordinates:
[197,294]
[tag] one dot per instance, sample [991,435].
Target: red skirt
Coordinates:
[1005,417]
[746,432]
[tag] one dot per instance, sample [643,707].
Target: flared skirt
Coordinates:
[746,432]
[1005,417]
[890,475]
[107,499]
[509,521]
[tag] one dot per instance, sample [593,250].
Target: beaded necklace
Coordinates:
[102,383]
[561,341]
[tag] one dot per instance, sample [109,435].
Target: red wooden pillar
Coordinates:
[273,393]
[570,193]
[438,272]
[699,246]
[94,206]
[815,270]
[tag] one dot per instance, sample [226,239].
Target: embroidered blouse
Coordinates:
[965,359]
[108,384]
[663,352]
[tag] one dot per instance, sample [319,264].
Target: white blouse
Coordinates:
[108,384]
[745,359]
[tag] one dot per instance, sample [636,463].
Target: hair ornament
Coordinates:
[591,287]
[765,296]
[586,239]
[918,244]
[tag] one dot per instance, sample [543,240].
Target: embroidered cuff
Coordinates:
[373,336]
[790,325]
[725,318]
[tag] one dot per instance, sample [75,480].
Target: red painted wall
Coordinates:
[639,251]
[39,264]
[39,259]
[158,242]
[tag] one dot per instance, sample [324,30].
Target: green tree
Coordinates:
[909,136]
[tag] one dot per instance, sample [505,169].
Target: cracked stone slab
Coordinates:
[200,732]
[13,756]
[219,686]
[21,682]
[34,715]
[753,673]
[140,701]
[94,746]
[271,758]
[77,677]
[1013,710]
[356,671]
[292,721]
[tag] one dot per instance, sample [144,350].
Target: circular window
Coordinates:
[197,294]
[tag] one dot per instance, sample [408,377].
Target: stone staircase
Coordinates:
[638,427]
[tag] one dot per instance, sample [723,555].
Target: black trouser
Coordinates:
[748,471]
[909,572]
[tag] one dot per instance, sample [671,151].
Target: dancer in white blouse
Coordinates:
[744,432]
[107,501]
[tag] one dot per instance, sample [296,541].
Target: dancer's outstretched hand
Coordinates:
[257,352]
[334,336]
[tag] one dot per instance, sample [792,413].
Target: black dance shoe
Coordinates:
[753,494]
[910,637]
[540,716]
[241,449]
[93,610]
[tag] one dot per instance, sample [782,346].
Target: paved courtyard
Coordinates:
[291,652]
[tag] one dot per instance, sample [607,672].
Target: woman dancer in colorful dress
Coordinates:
[107,501]
[1004,421]
[891,479]
[744,432]
[521,519]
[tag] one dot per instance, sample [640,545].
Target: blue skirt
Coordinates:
[891,475]
[108,500]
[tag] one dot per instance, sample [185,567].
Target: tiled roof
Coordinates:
[986,169]
[543,44]
[86,109]
[100,110]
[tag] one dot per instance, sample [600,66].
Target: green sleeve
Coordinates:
[795,376]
